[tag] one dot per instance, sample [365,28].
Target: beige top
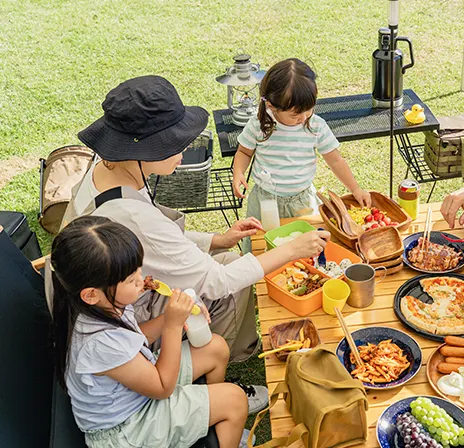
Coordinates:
[179,259]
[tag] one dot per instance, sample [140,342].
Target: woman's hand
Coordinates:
[310,244]
[452,203]
[363,197]
[239,181]
[177,309]
[238,230]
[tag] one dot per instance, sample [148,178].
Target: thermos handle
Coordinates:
[406,39]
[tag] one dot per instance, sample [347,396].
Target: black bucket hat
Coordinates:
[144,119]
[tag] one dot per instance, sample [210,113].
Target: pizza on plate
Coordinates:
[445,315]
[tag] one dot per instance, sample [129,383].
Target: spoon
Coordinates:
[331,208]
[321,259]
[165,290]
[350,227]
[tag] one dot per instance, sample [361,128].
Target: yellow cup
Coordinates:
[335,293]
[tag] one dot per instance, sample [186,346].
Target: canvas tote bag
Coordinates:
[64,168]
[328,406]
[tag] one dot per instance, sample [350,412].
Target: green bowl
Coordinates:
[285,230]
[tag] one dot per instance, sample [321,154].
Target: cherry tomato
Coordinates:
[368,218]
[381,216]
[387,220]
[377,217]
[394,223]
[382,224]
[374,211]
[375,226]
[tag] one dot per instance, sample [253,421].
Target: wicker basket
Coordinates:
[188,187]
[443,148]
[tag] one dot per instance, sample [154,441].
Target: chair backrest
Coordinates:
[34,410]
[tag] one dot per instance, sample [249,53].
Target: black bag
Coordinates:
[16,226]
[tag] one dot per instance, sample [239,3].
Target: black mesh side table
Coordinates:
[353,118]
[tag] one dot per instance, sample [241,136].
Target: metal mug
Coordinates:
[361,280]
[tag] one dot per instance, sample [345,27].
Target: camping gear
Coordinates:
[443,147]
[242,81]
[16,226]
[268,202]
[188,186]
[335,293]
[326,403]
[381,67]
[59,173]
[361,280]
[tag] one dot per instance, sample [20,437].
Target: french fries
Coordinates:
[383,363]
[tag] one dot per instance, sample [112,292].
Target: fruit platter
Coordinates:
[421,422]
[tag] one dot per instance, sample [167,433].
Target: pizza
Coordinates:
[445,315]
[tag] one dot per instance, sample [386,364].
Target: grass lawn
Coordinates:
[60,58]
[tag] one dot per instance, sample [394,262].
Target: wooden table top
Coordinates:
[379,313]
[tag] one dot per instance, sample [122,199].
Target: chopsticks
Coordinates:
[349,338]
[427,230]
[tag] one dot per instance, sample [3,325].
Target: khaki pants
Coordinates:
[232,317]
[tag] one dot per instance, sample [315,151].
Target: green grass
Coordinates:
[60,58]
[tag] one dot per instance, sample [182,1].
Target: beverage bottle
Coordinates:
[408,197]
[198,332]
[268,203]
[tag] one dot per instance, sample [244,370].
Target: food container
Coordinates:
[380,201]
[337,253]
[296,226]
[380,244]
[300,305]
[279,334]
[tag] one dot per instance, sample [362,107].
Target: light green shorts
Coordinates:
[303,203]
[176,422]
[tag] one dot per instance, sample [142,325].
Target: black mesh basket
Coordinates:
[188,187]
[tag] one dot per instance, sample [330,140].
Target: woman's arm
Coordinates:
[341,169]
[242,160]
[153,328]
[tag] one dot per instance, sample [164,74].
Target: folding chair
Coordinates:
[34,410]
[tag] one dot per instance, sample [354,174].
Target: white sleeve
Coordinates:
[201,239]
[177,261]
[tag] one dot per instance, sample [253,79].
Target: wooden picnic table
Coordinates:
[379,313]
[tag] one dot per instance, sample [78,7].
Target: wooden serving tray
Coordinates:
[381,244]
[380,201]
[433,375]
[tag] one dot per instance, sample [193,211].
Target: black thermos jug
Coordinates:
[381,70]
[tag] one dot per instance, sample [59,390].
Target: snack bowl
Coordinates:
[380,201]
[375,335]
[386,431]
[300,305]
[298,225]
[380,244]
[279,334]
[412,241]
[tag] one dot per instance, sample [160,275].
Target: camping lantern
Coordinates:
[242,81]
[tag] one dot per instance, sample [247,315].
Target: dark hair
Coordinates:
[289,84]
[90,252]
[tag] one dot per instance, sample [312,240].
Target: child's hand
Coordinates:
[239,180]
[177,309]
[363,197]
[311,244]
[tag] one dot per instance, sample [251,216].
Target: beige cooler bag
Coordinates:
[64,168]
[328,406]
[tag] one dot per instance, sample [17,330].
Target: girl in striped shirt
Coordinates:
[284,138]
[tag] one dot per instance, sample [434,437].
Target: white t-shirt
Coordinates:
[178,259]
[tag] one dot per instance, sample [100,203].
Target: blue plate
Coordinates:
[435,237]
[387,434]
[374,335]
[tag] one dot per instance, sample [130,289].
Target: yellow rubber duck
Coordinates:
[415,115]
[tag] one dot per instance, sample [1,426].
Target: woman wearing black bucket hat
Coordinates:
[144,130]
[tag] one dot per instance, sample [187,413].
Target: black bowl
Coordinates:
[435,237]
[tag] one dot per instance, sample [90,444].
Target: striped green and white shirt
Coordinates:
[289,154]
